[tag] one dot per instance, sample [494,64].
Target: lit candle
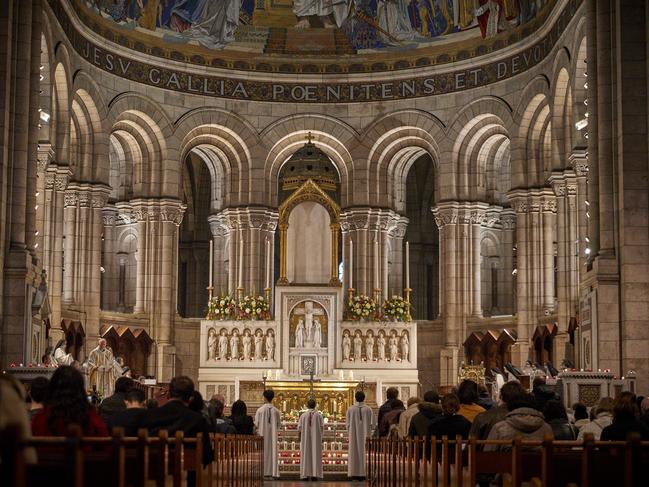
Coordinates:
[351,264]
[407,265]
[241,262]
[377,284]
[211,282]
[268,263]
[335,405]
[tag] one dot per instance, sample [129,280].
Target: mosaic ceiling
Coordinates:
[329,35]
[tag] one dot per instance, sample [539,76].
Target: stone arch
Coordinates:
[46,84]
[579,86]
[333,147]
[562,106]
[61,105]
[124,154]
[158,173]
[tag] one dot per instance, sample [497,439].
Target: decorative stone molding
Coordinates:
[86,195]
[400,225]
[374,220]
[533,200]
[45,156]
[230,219]
[110,216]
[508,219]
[460,212]
[57,177]
[579,161]
[163,210]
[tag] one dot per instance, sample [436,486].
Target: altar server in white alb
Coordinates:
[310,428]
[268,421]
[360,425]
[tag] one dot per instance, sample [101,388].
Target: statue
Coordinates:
[247,344]
[380,342]
[308,321]
[234,345]
[405,346]
[270,345]
[299,334]
[358,346]
[223,345]
[369,346]
[100,365]
[259,342]
[347,345]
[317,333]
[393,346]
[211,344]
[59,355]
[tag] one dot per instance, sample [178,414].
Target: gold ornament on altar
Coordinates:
[476,373]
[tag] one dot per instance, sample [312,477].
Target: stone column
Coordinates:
[220,236]
[396,274]
[507,294]
[110,276]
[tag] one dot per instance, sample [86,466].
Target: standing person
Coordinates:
[100,367]
[268,421]
[359,425]
[406,417]
[452,423]
[38,395]
[390,420]
[391,394]
[310,428]
[67,404]
[483,422]
[220,424]
[429,410]
[467,393]
[242,423]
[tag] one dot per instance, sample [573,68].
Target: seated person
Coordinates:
[134,416]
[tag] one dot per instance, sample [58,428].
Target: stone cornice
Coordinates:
[374,220]
[165,210]
[243,218]
[536,200]
[85,195]
[459,212]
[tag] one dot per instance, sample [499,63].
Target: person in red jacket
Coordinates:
[67,404]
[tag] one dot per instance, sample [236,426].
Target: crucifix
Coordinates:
[307,312]
[311,381]
[309,137]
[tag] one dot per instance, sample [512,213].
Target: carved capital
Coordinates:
[164,211]
[86,195]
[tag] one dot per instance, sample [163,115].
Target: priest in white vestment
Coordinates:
[101,368]
[310,428]
[359,423]
[268,421]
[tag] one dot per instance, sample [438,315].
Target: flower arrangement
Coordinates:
[220,308]
[361,307]
[395,308]
[253,308]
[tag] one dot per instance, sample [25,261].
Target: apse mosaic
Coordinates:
[335,27]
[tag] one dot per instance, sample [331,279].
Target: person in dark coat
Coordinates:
[556,416]
[391,395]
[175,415]
[391,418]
[429,410]
[625,420]
[134,416]
[38,395]
[117,402]
[218,422]
[242,423]
[450,424]
[483,422]
[542,393]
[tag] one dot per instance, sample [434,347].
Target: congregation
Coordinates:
[49,407]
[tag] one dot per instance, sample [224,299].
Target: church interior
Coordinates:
[326,196]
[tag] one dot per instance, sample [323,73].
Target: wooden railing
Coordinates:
[547,463]
[117,461]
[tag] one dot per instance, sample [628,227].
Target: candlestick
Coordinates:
[268,263]
[377,284]
[241,263]
[211,282]
[351,264]
[407,264]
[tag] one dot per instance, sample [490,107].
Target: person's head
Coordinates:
[625,406]
[239,408]
[269,395]
[181,388]
[102,343]
[482,391]
[151,404]
[359,396]
[538,382]
[392,393]
[510,390]
[196,402]
[123,384]
[467,392]
[413,400]
[644,406]
[397,404]
[216,408]
[431,396]
[554,410]
[604,405]
[66,396]
[38,391]
[62,343]
[580,411]
[135,398]
[524,400]
[450,404]
[311,404]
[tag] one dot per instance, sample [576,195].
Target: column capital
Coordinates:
[369,218]
[535,200]
[86,195]
[57,177]
[508,218]
[459,212]
[579,161]
[45,156]
[165,210]
[249,217]
[110,215]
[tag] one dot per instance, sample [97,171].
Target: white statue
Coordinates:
[317,333]
[259,342]
[380,343]
[394,348]
[100,365]
[358,346]
[299,334]
[234,345]
[369,346]
[59,357]
[223,345]
[211,344]
[212,24]
[347,346]
[405,346]
[270,345]
[247,345]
